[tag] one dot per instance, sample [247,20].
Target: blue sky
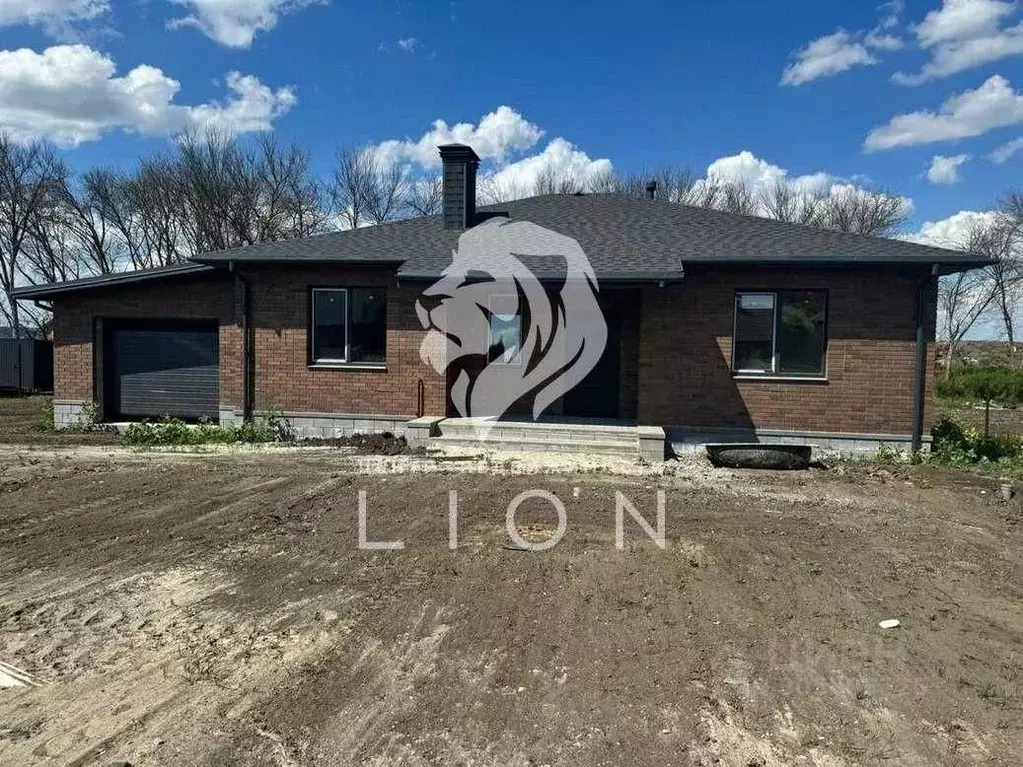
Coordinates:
[798,85]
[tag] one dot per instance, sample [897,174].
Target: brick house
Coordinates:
[721,327]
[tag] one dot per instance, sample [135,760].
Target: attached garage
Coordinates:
[160,368]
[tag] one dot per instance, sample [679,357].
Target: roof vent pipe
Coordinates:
[651,189]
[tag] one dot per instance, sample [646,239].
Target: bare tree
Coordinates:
[707,193]
[781,201]
[290,201]
[386,193]
[426,196]
[964,297]
[365,191]
[605,182]
[157,205]
[53,252]
[28,175]
[109,192]
[674,184]
[785,201]
[550,181]
[94,240]
[738,197]
[491,190]
[876,213]
[1000,240]
[238,195]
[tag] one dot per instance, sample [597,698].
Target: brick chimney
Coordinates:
[459,198]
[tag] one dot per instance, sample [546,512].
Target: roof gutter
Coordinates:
[214,259]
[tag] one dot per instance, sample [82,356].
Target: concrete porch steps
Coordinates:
[589,447]
[611,438]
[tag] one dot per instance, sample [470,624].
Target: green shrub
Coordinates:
[949,434]
[887,454]
[997,448]
[166,431]
[268,427]
[46,422]
[957,445]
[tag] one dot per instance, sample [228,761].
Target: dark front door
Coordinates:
[597,395]
[152,369]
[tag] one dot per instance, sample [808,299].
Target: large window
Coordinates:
[348,325]
[505,329]
[780,333]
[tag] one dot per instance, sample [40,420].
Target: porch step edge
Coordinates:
[470,424]
[627,449]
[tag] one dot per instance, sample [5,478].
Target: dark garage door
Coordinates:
[153,370]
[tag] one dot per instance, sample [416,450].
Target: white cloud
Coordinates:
[560,160]
[893,10]
[883,41]
[840,51]
[497,134]
[963,34]
[961,19]
[1006,150]
[971,113]
[235,23]
[46,12]
[408,44]
[252,106]
[69,94]
[58,18]
[945,170]
[951,232]
[762,177]
[826,56]
[500,139]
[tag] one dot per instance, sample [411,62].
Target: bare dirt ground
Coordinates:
[21,420]
[214,609]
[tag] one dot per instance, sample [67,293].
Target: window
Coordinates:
[780,333]
[505,328]
[349,325]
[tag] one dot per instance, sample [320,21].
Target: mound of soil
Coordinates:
[368,444]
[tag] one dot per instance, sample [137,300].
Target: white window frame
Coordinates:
[344,318]
[774,332]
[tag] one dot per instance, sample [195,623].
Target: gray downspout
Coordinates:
[920,373]
[247,366]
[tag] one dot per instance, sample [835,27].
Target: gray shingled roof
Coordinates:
[623,238]
[107,280]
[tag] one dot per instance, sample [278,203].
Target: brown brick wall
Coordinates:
[280,304]
[284,379]
[198,297]
[685,374]
[678,373]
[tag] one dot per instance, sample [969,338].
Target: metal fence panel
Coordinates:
[25,365]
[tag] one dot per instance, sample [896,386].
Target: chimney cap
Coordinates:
[457,152]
